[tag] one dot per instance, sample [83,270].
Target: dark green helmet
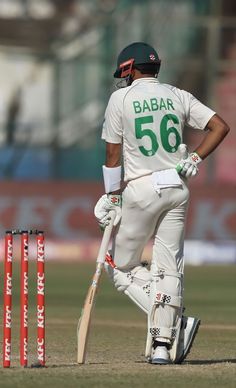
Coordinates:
[138,53]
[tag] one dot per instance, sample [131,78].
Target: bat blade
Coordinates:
[84,323]
[85,318]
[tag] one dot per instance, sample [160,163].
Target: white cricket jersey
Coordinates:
[148,118]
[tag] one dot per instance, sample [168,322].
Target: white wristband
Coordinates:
[112,178]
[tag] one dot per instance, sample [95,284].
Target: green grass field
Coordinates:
[117,338]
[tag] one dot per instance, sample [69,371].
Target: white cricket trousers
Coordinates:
[146,214]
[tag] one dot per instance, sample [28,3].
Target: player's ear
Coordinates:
[133,73]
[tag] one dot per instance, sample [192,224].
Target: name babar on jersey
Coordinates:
[153,104]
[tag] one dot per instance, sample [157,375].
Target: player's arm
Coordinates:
[113,160]
[217,130]
[112,182]
[112,133]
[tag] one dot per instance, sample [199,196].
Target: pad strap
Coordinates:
[162,273]
[169,333]
[171,300]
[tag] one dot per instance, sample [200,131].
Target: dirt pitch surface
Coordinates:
[115,355]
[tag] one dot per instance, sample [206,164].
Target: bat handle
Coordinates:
[106,238]
[110,261]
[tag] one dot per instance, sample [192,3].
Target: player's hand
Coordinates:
[104,205]
[187,166]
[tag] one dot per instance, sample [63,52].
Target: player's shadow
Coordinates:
[76,365]
[209,362]
[197,362]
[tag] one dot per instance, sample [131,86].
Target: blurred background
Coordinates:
[57,58]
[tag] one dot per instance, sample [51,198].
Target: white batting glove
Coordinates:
[104,205]
[187,166]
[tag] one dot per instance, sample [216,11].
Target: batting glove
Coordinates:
[187,166]
[104,205]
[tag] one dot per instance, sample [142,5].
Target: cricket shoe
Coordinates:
[161,356]
[189,329]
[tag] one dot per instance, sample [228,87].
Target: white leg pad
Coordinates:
[135,284]
[165,309]
[138,296]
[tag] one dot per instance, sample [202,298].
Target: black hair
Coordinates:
[148,68]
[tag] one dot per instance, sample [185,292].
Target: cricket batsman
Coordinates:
[143,131]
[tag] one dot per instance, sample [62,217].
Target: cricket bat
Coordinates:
[86,314]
